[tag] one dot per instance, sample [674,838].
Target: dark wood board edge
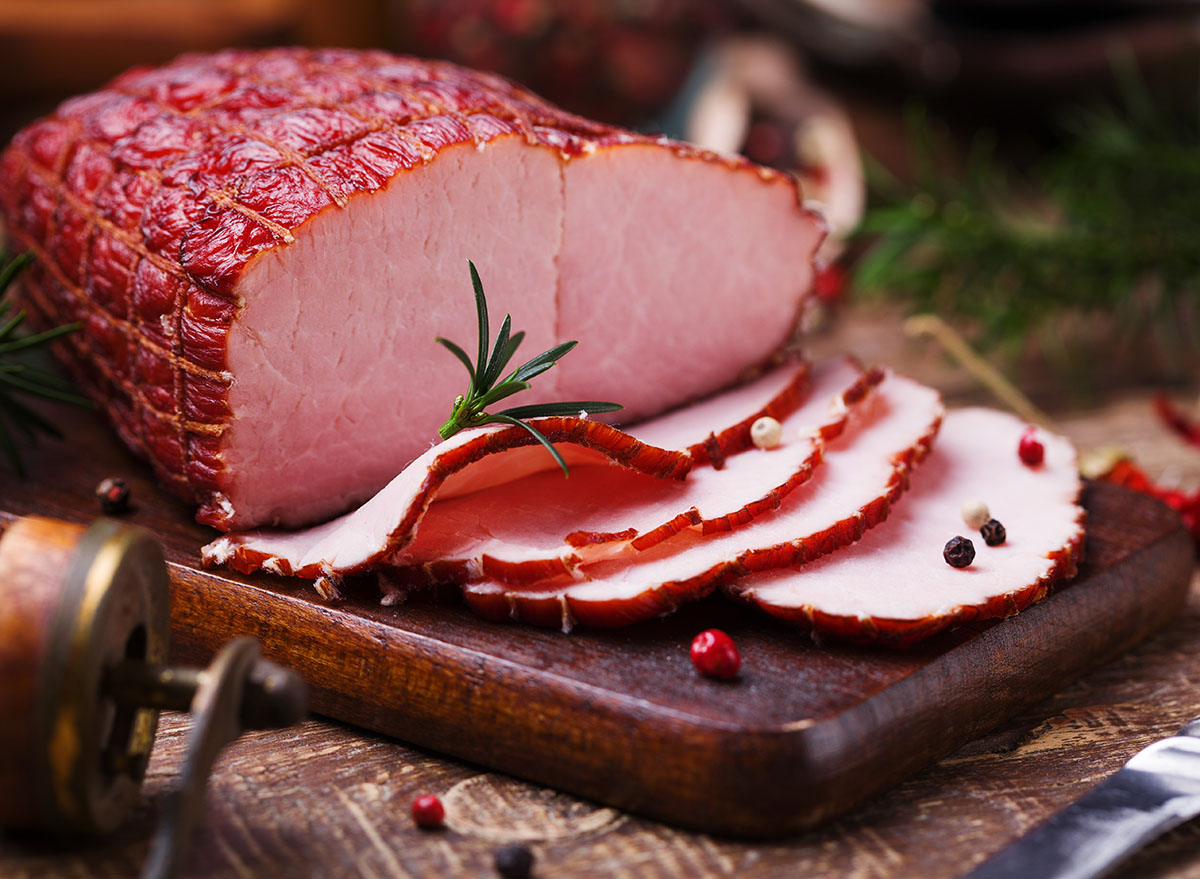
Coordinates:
[688,771]
[1006,668]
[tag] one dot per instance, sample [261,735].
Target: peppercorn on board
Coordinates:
[805,732]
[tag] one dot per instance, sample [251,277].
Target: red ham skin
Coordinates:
[145,202]
[737,438]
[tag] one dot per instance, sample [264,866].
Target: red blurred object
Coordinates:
[1176,420]
[1030,450]
[1126,473]
[830,283]
[715,655]
[428,811]
[618,62]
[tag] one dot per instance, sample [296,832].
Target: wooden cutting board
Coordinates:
[621,717]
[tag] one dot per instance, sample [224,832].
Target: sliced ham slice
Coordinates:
[863,473]
[474,461]
[544,526]
[894,586]
[354,542]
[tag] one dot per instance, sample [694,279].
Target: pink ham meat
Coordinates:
[474,461]
[894,587]
[543,526]
[262,245]
[863,473]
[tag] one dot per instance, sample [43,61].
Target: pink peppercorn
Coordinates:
[1030,450]
[715,655]
[428,812]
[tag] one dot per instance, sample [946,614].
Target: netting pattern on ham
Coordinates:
[144,201]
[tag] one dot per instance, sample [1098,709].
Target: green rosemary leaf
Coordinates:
[533,431]
[48,380]
[543,361]
[1102,224]
[513,344]
[873,269]
[37,338]
[549,410]
[481,310]
[20,377]
[460,354]
[12,268]
[9,328]
[498,361]
[881,220]
[38,389]
[500,392]
[36,373]
[469,410]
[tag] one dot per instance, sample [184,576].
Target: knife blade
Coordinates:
[1158,789]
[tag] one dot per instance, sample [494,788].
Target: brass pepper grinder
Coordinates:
[84,627]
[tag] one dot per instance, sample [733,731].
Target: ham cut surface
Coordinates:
[262,245]
[893,586]
[863,473]
[543,526]
[475,462]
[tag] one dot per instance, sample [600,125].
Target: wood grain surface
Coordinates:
[327,799]
[806,732]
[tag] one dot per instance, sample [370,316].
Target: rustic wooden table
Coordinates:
[329,800]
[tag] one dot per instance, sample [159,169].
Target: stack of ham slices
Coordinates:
[686,504]
[261,246]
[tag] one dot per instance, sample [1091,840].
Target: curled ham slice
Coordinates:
[864,471]
[543,526]
[476,460]
[894,586]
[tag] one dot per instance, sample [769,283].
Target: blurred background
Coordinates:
[1026,170]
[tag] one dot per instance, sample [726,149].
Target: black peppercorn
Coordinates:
[113,495]
[993,533]
[514,861]
[959,552]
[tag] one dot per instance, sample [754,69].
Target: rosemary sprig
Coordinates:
[1103,224]
[487,387]
[18,377]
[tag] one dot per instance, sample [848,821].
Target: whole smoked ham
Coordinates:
[864,472]
[894,587]
[262,245]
